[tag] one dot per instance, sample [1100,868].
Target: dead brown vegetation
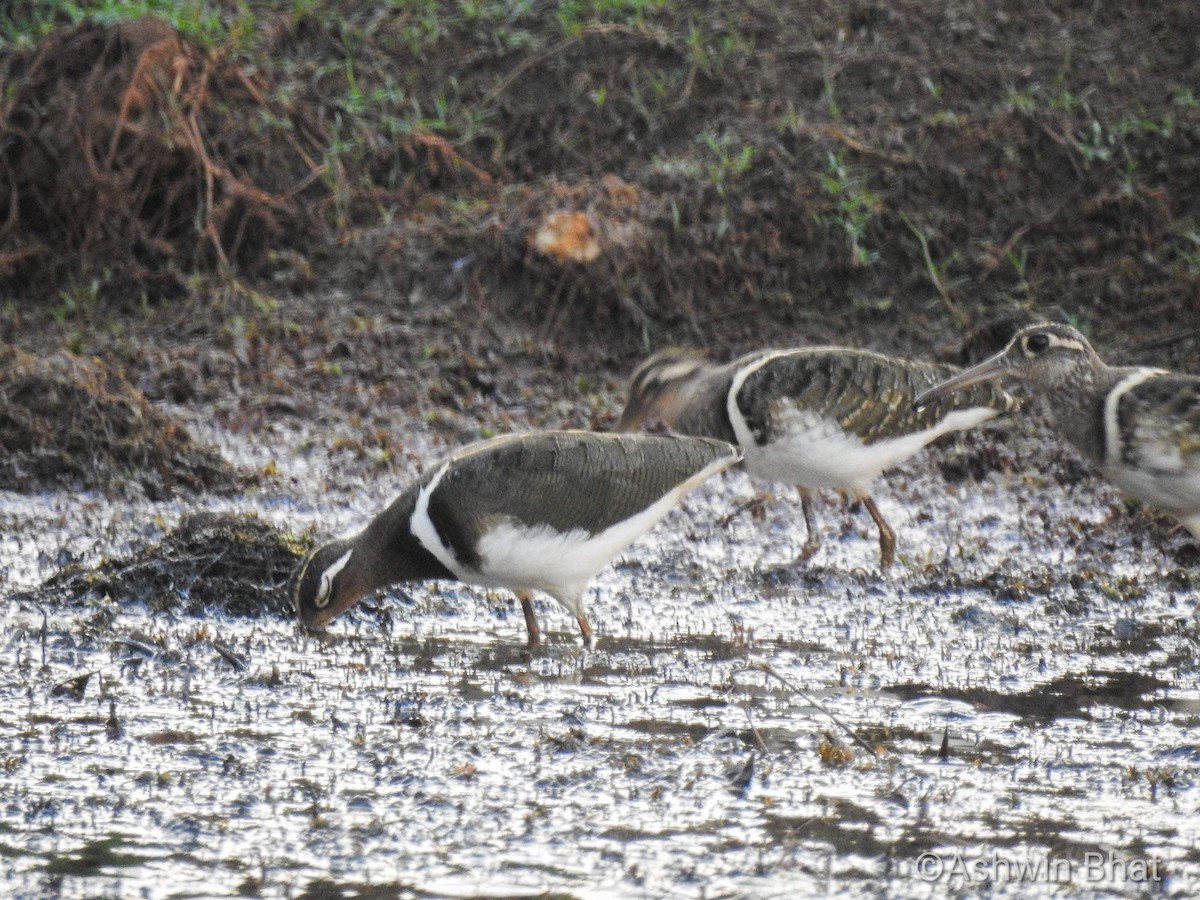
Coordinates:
[132,156]
[896,174]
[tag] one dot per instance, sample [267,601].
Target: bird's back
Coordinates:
[565,481]
[867,395]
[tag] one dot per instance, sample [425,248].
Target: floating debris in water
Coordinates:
[73,688]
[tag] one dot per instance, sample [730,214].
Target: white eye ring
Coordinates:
[325,591]
[322,598]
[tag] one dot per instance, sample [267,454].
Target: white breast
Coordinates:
[813,452]
[1161,474]
[1177,493]
[539,558]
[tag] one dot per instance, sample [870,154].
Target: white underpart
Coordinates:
[1160,474]
[539,558]
[814,452]
[1177,493]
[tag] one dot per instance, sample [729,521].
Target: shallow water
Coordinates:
[417,749]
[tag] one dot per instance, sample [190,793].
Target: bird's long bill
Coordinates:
[993,367]
[316,620]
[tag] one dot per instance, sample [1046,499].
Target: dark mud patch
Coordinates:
[1074,589]
[1069,696]
[94,858]
[73,422]
[834,173]
[847,828]
[211,563]
[133,157]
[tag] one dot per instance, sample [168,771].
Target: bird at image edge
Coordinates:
[1139,425]
[529,512]
[813,417]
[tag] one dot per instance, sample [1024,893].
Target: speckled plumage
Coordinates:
[529,512]
[678,388]
[818,417]
[868,395]
[1159,422]
[1140,426]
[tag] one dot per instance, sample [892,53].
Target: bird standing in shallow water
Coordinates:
[1140,425]
[815,417]
[544,511]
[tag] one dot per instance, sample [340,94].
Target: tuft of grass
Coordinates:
[77,299]
[1188,252]
[939,273]
[855,206]
[728,159]
[575,15]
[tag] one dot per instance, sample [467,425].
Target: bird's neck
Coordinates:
[705,410]
[692,405]
[1077,402]
[390,552]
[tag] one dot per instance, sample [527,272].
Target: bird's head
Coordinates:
[324,585]
[1048,356]
[655,385]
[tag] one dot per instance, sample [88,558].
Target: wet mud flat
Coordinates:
[350,291]
[1026,680]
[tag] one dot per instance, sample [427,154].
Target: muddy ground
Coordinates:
[271,337]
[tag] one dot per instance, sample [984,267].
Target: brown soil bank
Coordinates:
[729,173]
[68,421]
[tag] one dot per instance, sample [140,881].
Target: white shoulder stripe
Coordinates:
[737,421]
[1112,405]
[423,528]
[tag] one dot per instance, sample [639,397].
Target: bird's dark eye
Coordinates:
[1036,343]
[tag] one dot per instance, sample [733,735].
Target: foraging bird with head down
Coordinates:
[815,417]
[1139,425]
[529,512]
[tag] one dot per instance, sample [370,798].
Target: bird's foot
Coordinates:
[752,506]
[807,552]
